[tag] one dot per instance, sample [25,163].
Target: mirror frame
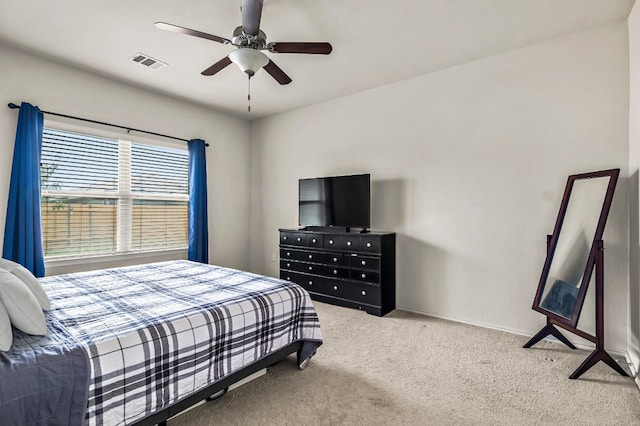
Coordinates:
[552,242]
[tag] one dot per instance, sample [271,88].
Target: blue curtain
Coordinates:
[23,227]
[198,218]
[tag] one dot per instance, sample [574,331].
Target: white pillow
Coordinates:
[21,305]
[6,334]
[29,279]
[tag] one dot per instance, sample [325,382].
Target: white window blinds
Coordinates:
[103,195]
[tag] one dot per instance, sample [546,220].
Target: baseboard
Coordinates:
[583,346]
[633,369]
[475,324]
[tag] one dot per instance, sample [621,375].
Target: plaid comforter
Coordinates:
[156,333]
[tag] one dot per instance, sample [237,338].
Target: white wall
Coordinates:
[633,348]
[58,88]
[468,167]
[468,164]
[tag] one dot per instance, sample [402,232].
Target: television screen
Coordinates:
[335,201]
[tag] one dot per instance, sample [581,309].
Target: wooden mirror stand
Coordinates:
[562,300]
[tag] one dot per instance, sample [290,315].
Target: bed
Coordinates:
[138,344]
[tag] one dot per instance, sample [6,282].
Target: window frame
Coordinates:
[76,262]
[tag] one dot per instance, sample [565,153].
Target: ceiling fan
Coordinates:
[250,41]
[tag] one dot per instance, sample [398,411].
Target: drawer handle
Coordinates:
[335,259]
[349,243]
[335,287]
[364,262]
[284,238]
[310,256]
[330,241]
[364,293]
[310,282]
[288,254]
[311,268]
[364,275]
[299,239]
[368,244]
[313,240]
[288,278]
[335,272]
[288,265]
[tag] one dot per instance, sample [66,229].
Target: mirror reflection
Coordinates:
[574,246]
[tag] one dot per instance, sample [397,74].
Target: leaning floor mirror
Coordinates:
[574,251]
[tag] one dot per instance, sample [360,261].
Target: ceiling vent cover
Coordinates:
[147,61]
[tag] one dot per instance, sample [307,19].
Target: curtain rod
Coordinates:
[128,129]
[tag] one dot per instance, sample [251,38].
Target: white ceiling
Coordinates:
[375,42]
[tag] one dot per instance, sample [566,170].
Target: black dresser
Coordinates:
[356,270]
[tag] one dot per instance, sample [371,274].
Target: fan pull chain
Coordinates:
[249,95]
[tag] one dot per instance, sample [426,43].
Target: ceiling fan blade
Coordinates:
[277,73]
[187,31]
[222,63]
[251,13]
[312,48]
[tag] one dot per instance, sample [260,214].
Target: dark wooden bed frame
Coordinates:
[161,417]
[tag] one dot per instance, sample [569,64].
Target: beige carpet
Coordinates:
[407,369]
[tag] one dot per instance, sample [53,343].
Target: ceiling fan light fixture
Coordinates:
[249,60]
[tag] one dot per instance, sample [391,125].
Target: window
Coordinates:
[102,196]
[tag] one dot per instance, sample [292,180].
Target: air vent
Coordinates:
[147,61]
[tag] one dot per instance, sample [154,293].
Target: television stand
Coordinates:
[336,229]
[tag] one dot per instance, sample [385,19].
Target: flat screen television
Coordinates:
[341,201]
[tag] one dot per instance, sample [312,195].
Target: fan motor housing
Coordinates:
[241,39]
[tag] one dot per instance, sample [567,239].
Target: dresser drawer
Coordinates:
[311,268]
[365,262]
[292,265]
[335,259]
[311,256]
[315,241]
[370,244]
[363,293]
[335,288]
[332,241]
[366,276]
[308,282]
[286,238]
[289,254]
[305,256]
[350,242]
[299,239]
[288,264]
[307,268]
[360,293]
[336,272]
